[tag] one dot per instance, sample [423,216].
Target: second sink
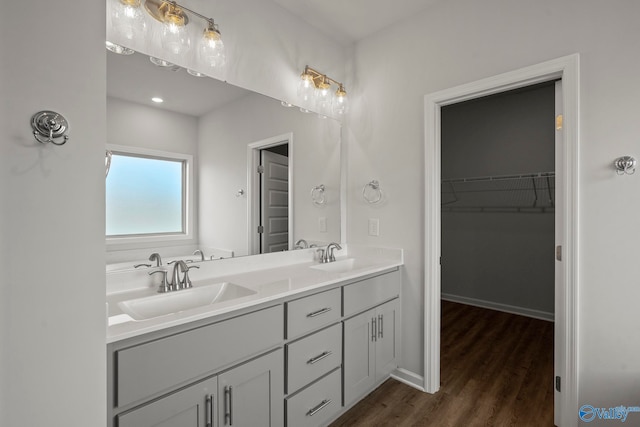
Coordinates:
[173,302]
[341,266]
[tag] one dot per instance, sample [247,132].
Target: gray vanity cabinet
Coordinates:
[250,395]
[193,406]
[370,347]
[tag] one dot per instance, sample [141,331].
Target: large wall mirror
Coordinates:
[227,130]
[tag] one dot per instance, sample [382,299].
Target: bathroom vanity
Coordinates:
[308,342]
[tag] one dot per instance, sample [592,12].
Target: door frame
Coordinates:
[564,68]
[253,188]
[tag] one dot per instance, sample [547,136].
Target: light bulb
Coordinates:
[340,102]
[127,19]
[211,49]
[174,34]
[306,87]
[323,96]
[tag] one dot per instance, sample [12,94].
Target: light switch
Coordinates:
[374,227]
[322,224]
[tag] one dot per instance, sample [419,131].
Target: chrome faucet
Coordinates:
[301,244]
[176,282]
[199,252]
[156,257]
[328,252]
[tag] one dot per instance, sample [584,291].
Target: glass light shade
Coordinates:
[340,102]
[323,97]
[306,88]
[211,49]
[127,19]
[120,50]
[175,38]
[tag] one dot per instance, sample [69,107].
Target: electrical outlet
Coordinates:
[322,224]
[374,227]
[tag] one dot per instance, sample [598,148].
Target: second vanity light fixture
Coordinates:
[316,87]
[129,21]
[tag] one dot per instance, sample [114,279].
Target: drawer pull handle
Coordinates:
[228,403]
[319,312]
[209,413]
[319,408]
[319,357]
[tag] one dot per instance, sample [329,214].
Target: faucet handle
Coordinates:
[164,286]
[320,252]
[186,282]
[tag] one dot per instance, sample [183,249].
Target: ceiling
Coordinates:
[134,78]
[348,21]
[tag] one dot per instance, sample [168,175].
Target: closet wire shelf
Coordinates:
[527,193]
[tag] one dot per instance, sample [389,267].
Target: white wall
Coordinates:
[225,134]
[52,202]
[460,41]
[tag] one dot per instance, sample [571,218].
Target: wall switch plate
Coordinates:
[322,224]
[374,227]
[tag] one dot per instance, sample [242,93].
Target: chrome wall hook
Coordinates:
[49,126]
[625,165]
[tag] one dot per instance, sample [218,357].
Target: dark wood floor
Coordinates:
[496,370]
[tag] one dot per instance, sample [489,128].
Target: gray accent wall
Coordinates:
[492,254]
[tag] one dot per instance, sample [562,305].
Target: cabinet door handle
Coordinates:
[318,408]
[373,329]
[319,357]
[209,411]
[228,405]
[319,312]
[380,326]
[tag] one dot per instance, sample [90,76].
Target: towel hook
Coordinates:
[49,126]
[317,195]
[374,196]
[625,165]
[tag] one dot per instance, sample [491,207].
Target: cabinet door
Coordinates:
[359,356]
[190,407]
[252,394]
[386,336]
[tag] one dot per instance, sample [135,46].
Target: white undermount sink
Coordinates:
[173,302]
[341,266]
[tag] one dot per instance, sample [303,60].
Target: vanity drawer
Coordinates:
[160,365]
[312,312]
[317,404]
[368,293]
[313,356]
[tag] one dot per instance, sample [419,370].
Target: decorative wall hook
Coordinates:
[49,126]
[625,165]
[371,192]
[317,195]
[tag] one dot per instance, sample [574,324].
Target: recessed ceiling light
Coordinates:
[157,100]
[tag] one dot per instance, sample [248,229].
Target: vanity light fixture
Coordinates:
[315,86]
[128,20]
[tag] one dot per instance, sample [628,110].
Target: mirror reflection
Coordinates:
[264,176]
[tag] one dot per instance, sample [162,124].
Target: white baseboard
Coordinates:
[409,378]
[536,314]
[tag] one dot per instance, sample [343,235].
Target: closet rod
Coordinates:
[501,177]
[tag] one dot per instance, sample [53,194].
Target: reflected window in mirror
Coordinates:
[147,195]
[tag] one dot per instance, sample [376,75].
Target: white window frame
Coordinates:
[161,239]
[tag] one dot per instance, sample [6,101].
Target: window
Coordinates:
[147,196]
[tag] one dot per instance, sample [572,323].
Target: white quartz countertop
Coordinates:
[286,280]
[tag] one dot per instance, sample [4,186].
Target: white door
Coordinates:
[558,336]
[274,202]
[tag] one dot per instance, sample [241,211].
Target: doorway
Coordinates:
[270,194]
[566,220]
